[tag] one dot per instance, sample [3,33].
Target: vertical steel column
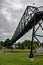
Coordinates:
[33,35]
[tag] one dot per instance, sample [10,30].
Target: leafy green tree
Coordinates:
[27,44]
[19,45]
[1,43]
[35,44]
[6,42]
[22,46]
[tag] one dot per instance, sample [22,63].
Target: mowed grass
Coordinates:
[9,58]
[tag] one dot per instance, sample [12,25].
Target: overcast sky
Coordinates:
[10,14]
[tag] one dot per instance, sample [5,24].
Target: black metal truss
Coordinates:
[28,14]
[34,36]
[40,22]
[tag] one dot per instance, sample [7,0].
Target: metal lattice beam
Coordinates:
[28,14]
[26,22]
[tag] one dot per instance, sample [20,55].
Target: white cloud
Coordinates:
[6,14]
[6,11]
[5,33]
[15,5]
[2,32]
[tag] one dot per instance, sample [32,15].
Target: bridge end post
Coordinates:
[33,35]
[31,50]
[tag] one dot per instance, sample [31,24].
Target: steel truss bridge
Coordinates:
[31,17]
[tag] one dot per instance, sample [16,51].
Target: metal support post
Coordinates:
[33,35]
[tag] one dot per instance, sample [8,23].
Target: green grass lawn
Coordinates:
[10,58]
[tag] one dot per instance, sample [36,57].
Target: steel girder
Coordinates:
[27,22]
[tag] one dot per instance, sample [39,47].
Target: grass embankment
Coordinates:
[16,58]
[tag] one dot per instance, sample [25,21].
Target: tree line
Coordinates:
[2,43]
[26,44]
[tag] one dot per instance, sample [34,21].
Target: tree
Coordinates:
[6,42]
[35,44]
[22,46]
[19,45]
[27,44]
[1,43]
